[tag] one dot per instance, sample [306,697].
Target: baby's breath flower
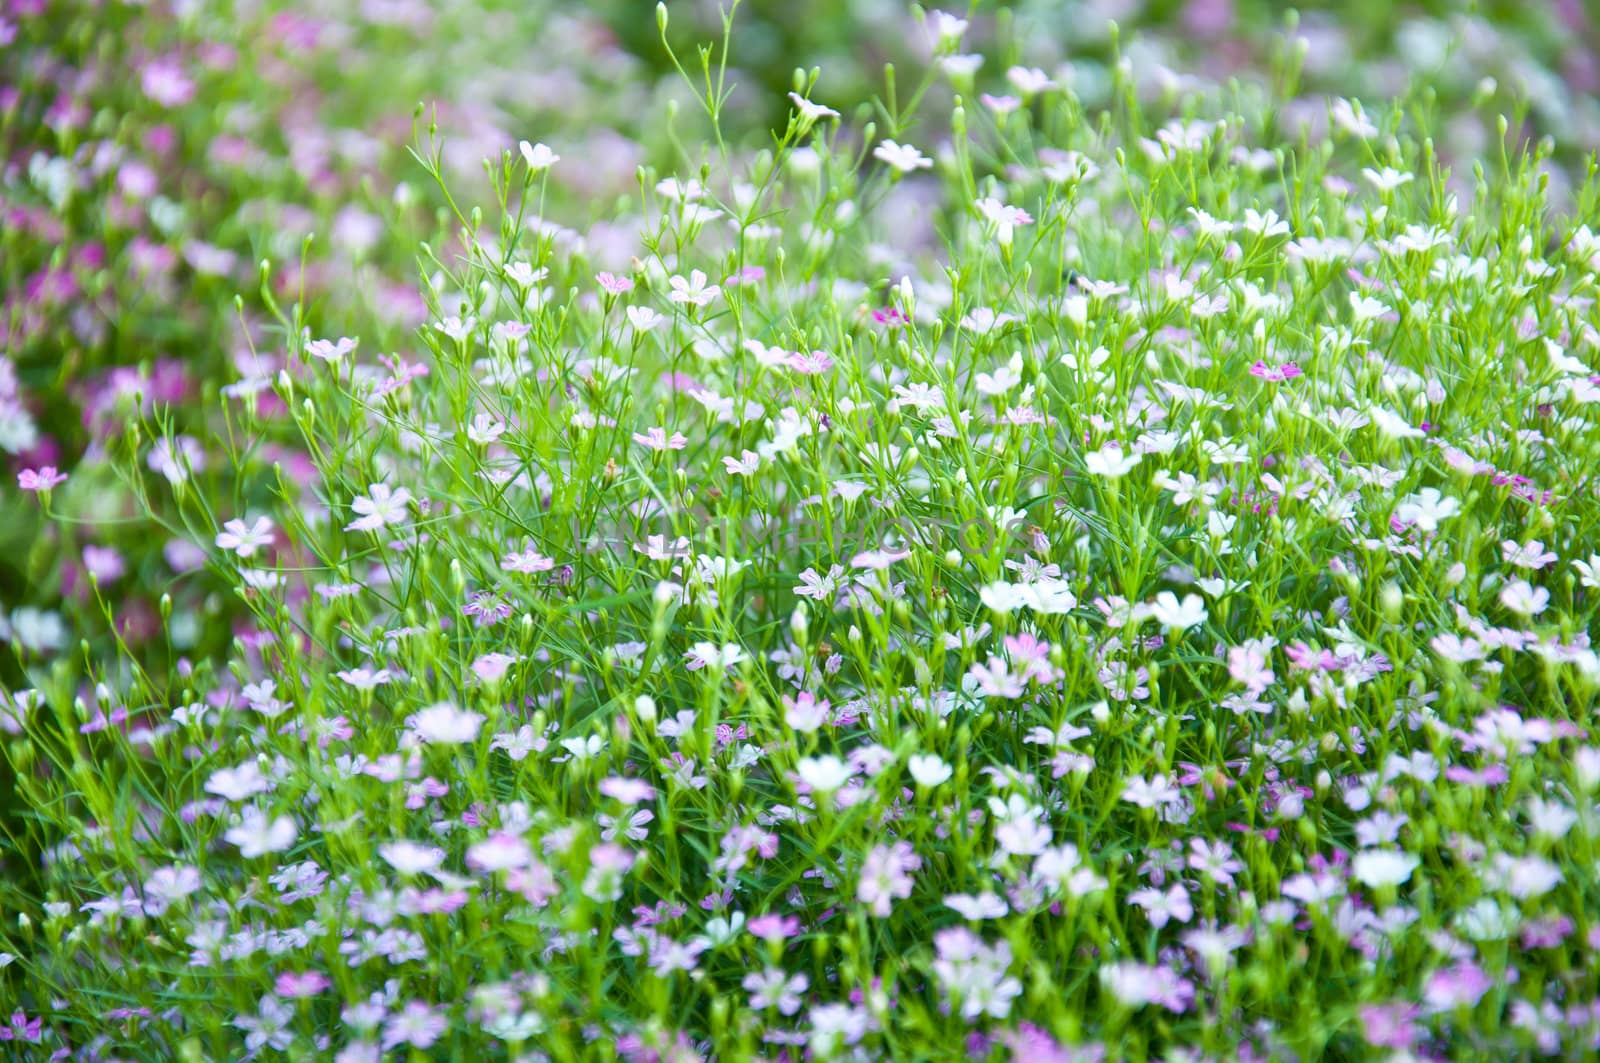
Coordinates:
[902,158]
[537,157]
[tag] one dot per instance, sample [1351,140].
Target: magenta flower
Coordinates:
[1275,373]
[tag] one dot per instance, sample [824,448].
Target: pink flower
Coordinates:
[1461,986]
[527,562]
[886,876]
[1136,985]
[1214,859]
[1000,105]
[444,723]
[1248,664]
[657,439]
[1003,217]
[492,667]
[746,276]
[296,984]
[104,563]
[1389,1025]
[613,284]
[628,791]
[810,364]
[166,83]
[805,713]
[774,927]
[1160,908]
[694,290]
[41,479]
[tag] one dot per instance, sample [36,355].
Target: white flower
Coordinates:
[1427,508]
[524,276]
[499,852]
[1110,461]
[583,748]
[256,836]
[1265,225]
[237,784]
[823,774]
[456,328]
[643,319]
[329,351]
[445,723]
[1383,867]
[949,28]
[1030,81]
[410,858]
[902,157]
[261,579]
[1388,179]
[1523,598]
[982,319]
[1178,616]
[364,678]
[928,770]
[745,464]
[1002,597]
[1004,379]
[538,156]
[810,112]
[710,655]
[958,67]
[1050,597]
[484,429]
[1393,425]
[1347,115]
[245,540]
[984,906]
[1211,228]
[1530,876]
[379,507]
[1364,308]
[683,191]
[1487,921]
[38,630]
[695,290]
